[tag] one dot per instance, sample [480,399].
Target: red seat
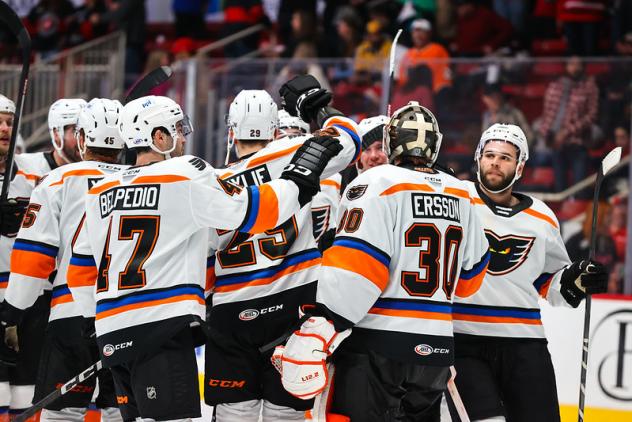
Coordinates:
[548,68]
[551,47]
[572,208]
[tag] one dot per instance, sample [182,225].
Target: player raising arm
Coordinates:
[407,241]
[142,250]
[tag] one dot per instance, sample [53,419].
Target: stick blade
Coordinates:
[391,59]
[611,160]
[13,21]
[151,80]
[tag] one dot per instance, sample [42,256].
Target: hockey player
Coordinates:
[372,131]
[142,250]
[504,369]
[262,280]
[43,244]
[407,242]
[291,126]
[28,169]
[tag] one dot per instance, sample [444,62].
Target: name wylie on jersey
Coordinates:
[143,197]
[435,206]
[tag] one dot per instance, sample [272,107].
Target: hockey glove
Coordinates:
[302,361]
[303,97]
[583,278]
[8,356]
[11,214]
[308,164]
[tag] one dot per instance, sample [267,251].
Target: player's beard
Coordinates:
[72,154]
[499,185]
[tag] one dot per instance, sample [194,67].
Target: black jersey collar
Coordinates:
[524,202]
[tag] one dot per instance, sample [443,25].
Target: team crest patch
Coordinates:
[356,192]
[507,252]
[230,188]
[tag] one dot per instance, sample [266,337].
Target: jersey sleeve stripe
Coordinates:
[4,280]
[272,156]
[363,246]
[32,264]
[210,273]
[400,187]
[470,280]
[358,262]
[253,208]
[38,247]
[267,213]
[149,298]
[543,283]
[82,271]
[495,319]
[167,178]
[102,188]
[60,294]
[541,216]
[350,130]
[73,173]
[290,265]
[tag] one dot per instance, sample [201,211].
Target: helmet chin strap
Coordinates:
[230,142]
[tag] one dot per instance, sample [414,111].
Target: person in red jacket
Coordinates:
[580,21]
[479,30]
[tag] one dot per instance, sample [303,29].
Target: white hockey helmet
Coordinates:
[139,118]
[372,130]
[413,131]
[507,133]
[6,105]
[253,115]
[99,122]
[287,121]
[62,113]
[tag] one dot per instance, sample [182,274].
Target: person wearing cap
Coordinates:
[498,110]
[372,132]
[425,51]
[374,50]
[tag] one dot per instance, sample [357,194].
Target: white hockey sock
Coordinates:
[68,414]
[21,396]
[492,419]
[272,413]
[111,414]
[243,411]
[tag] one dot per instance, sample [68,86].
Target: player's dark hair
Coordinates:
[107,155]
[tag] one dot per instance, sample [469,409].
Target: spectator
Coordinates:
[239,15]
[445,20]
[189,16]
[569,112]
[358,97]
[429,53]
[622,138]
[418,87]
[580,21]
[49,18]
[182,48]
[618,226]
[349,31]
[80,29]
[498,110]
[479,30]
[304,30]
[374,51]
[515,11]
[303,63]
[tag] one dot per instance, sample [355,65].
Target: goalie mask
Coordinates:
[505,133]
[413,131]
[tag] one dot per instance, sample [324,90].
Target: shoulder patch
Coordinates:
[198,163]
[230,188]
[328,131]
[356,192]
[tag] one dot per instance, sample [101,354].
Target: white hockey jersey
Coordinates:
[407,240]
[527,255]
[28,169]
[325,205]
[43,244]
[140,256]
[249,267]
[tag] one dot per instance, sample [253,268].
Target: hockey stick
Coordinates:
[9,17]
[391,72]
[151,80]
[456,397]
[611,160]
[274,343]
[93,369]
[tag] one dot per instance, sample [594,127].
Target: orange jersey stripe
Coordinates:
[328,182]
[148,304]
[411,314]
[407,186]
[541,216]
[267,280]
[544,290]
[458,192]
[210,279]
[31,264]
[478,201]
[28,176]
[358,262]
[494,319]
[61,299]
[272,156]
[4,284]
[268,212]
[100,188]
[466,288]
[335,121]
[168,178]
[73,173]
[81,276]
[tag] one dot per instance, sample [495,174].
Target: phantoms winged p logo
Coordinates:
[507,252]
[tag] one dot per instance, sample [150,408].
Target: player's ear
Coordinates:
[519,169]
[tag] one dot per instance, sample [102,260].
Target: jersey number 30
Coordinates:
[427,238]
[144,229]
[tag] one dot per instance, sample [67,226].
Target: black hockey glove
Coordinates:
[8,356]
[11,214]
[303,97]
[583,278]
[308,164]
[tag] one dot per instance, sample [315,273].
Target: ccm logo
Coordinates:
[425,350]
[122,400]
[250,314]
[109,349]
[226,383]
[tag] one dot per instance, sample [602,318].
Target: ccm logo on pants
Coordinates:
[227,383]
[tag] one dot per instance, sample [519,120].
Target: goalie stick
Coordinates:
[151,80]
[68,386]
[9,17]
[609,161]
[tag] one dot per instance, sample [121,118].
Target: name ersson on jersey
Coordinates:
[436,206]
